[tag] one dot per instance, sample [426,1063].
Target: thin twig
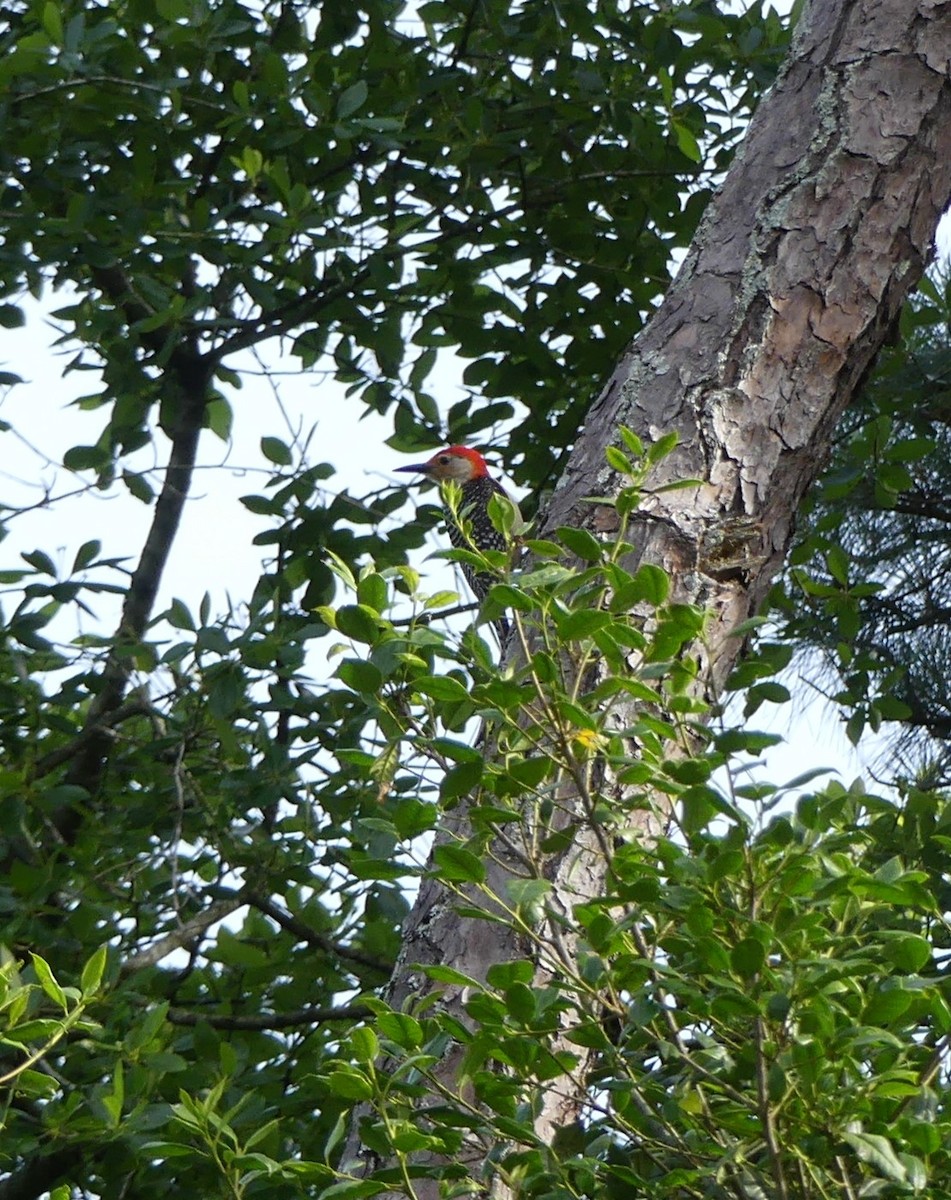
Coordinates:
[288,1020]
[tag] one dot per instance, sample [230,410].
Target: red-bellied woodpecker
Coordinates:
[468,470]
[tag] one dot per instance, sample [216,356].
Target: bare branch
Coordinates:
[182,937]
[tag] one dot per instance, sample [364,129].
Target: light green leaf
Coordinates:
[48,982]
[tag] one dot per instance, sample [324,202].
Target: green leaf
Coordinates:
[910,952]
[251,162]
[503,975]
[508,596]
[35,1085]
[358,622]
[87,553]
[352,100]
[93,971]
[581,543]
[582,623]
[40,562]
[48,982]
[164,1150]
[404,1030]
[349,1083]
[148,1029]
[687,142]
[360,675]
[652,584]
[39,1030]
[659,450]
[441,687]
[441,974]
[455,864]
[11,317]
[219,418]
[774,692]
[373,592]
[261,505]
[747,957]
[179,617]
[138,486]
[267,1130]
[529,896]
[53,22]
[632,441]
[363,1042]
[838,563]
[113,1101]
[85,458]
[886,1006]
[460,780]
[878,1152]
[276,451]
[504,515]
[336,1136]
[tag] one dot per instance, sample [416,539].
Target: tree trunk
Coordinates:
[822,228]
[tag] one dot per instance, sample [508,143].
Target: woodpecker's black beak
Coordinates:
[414,468]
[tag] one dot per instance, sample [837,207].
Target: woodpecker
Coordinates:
[468,469]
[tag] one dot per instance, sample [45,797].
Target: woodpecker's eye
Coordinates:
[443,459]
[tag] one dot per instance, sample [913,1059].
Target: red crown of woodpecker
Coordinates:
[457,463]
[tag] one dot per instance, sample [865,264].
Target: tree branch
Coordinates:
[86,770]
[288,1020]
[264,904]
[181,937]
[62,754]
[114,283]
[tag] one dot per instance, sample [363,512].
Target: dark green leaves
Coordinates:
[275,451]
[352,99]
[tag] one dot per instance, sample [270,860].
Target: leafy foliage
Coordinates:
[207,854]
[759,997]
[758,1003]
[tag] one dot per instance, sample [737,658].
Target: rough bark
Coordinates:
[822,228]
